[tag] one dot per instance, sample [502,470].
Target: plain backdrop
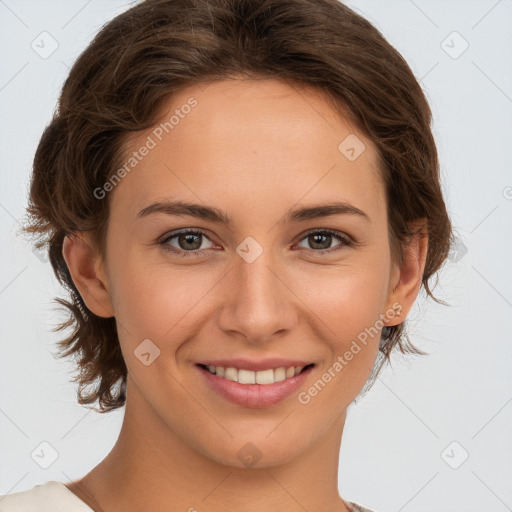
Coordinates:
[434,432]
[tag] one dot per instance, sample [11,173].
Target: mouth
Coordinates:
[251,377]
[257,388]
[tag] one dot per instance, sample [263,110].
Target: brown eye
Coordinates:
[188,243]
[321,240]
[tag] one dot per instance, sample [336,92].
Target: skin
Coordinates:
[255,149]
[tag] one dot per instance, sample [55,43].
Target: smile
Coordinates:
[264,377]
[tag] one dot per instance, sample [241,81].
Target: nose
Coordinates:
[258,302]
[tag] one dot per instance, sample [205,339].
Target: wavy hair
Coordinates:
[155,48]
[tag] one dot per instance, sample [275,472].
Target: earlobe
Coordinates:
[86,269]
[405,289]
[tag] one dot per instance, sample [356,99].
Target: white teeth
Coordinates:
[246,377]
[231,374]
[279,374]
[260,377]
[265,377]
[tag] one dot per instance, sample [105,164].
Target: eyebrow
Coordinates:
[219,216]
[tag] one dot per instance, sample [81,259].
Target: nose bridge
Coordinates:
[257,303]
[258,279]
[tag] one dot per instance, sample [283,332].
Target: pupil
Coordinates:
[187,237]
[316,236]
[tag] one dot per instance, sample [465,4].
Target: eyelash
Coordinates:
[346,242]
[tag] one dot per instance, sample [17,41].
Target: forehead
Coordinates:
[249,143]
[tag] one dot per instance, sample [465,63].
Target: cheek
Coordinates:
[159,303]
[348,305]
[347,298]
[349,327]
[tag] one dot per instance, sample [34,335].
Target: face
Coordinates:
[255,281]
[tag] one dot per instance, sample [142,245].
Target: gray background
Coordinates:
[404,444]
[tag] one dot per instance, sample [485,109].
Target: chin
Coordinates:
[257,451]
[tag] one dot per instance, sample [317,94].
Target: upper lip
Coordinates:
[256,365]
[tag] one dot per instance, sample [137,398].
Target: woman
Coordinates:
[243,199]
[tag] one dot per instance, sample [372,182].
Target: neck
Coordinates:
[150,468]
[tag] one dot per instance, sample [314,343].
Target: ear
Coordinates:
[87,271]
[406,278]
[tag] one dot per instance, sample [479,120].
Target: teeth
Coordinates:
[279,374]
[231,374]
[261,377]
[246,377]
[265,377]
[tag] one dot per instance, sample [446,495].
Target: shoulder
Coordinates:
[51,496]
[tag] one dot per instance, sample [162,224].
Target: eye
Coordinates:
[189,243]
[320,240]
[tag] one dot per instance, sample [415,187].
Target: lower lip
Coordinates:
[255,395]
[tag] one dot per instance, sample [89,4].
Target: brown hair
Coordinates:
[157,47]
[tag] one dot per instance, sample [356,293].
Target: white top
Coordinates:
[49,497]
[54,496]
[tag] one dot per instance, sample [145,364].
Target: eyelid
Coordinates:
[334,232]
